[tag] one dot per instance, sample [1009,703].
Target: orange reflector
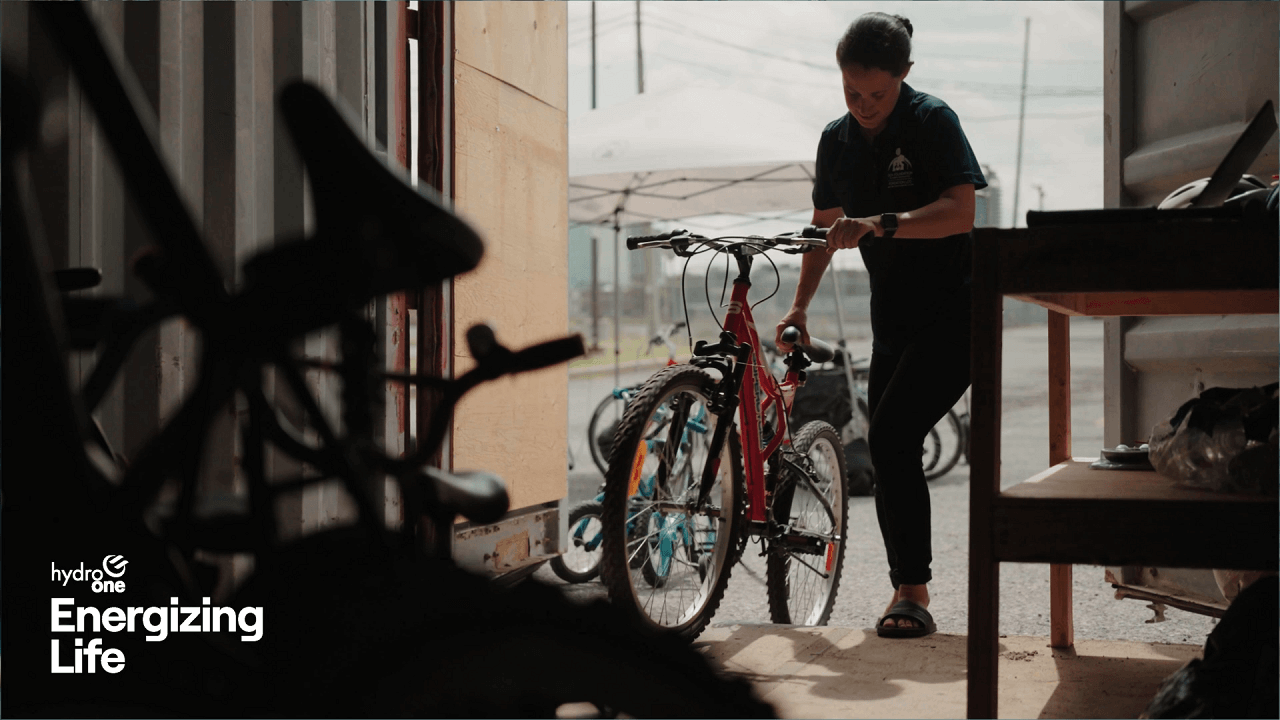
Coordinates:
[831,555]
[637,469]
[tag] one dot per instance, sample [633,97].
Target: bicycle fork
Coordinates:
[723,405]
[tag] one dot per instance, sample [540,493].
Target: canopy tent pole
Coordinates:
[595,292]
[844,346]
[617,299]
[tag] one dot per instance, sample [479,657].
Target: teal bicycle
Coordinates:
[660,536]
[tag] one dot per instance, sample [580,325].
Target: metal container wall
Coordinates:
[210,73]
[1182,81]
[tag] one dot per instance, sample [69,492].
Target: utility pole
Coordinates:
[639,55]
[650,279]
[595,242]
[593,54]
[1022,117]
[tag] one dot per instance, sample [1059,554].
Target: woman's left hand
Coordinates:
[845,233]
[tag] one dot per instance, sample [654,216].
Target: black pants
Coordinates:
[908,394]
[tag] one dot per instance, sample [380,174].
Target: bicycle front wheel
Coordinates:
[600,431]
[668,540]
[581,559]
[803,566]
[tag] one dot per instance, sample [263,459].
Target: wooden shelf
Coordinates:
[1071,514]
[1040,521]
[1116,304]
[1074,480]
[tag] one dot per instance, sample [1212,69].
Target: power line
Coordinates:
[601,28]
[808,39]
[666,25]
[828,85]
[994,88]
[1039,116]
[755,75]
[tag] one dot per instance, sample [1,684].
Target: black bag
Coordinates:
[825,396]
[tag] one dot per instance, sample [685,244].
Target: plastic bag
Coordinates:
[1225,441]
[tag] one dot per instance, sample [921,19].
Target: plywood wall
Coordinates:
[511,179]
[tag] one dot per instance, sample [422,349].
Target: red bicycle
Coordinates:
[677,514]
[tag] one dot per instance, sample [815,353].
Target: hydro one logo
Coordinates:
[157,622]
[104,580]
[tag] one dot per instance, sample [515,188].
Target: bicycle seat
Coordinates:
[816,350]
[478,496]
[374,234]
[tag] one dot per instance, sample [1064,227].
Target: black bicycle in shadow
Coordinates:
[367,619]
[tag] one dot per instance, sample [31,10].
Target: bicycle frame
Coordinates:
[755,380]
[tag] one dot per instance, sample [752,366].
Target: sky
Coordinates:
[969,54]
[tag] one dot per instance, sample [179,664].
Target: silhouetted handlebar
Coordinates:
[680,241]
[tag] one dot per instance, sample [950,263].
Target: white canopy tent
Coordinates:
[691,152]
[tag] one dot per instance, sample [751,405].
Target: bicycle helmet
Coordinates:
[1182,197]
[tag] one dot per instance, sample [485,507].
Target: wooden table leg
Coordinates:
[984,482]
[1062,630]
[1061,622]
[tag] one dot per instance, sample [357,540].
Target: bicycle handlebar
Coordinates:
[680,240]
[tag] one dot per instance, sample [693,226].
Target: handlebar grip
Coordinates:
[548,353]
[634,243]
[481,341]
[77,278]
[812,231]
[816,350]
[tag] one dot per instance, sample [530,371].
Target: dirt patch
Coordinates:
[1020,655]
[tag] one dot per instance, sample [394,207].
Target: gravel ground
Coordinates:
[1024,589]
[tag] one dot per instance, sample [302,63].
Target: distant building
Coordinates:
[630,265]
[987,210]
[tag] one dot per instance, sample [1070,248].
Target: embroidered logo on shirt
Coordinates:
[900,171]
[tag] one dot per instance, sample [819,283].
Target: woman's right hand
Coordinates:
[845,233]
[800,319]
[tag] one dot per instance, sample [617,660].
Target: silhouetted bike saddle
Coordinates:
[373,233]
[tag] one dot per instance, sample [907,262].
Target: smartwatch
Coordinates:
[889,224]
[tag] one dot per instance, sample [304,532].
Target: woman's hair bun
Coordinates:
[905,23]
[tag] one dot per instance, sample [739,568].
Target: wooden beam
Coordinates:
[1061,621]
[1123,304]
[984,477]
[1116,532]
[1137,258]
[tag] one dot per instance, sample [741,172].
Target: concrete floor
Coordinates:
[840,672]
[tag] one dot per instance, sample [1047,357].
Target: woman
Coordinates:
[895,177]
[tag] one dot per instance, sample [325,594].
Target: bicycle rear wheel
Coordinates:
[948,445]
[601,429]
[803,567]
[666,558]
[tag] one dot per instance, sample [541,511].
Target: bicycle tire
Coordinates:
[688,555]
[950,440]
[561,665]
[405,636]
[581,537]
[600,451]
[798,595]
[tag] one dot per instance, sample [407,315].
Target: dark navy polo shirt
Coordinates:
[916,285]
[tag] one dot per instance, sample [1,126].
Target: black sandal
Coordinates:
[910,610]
